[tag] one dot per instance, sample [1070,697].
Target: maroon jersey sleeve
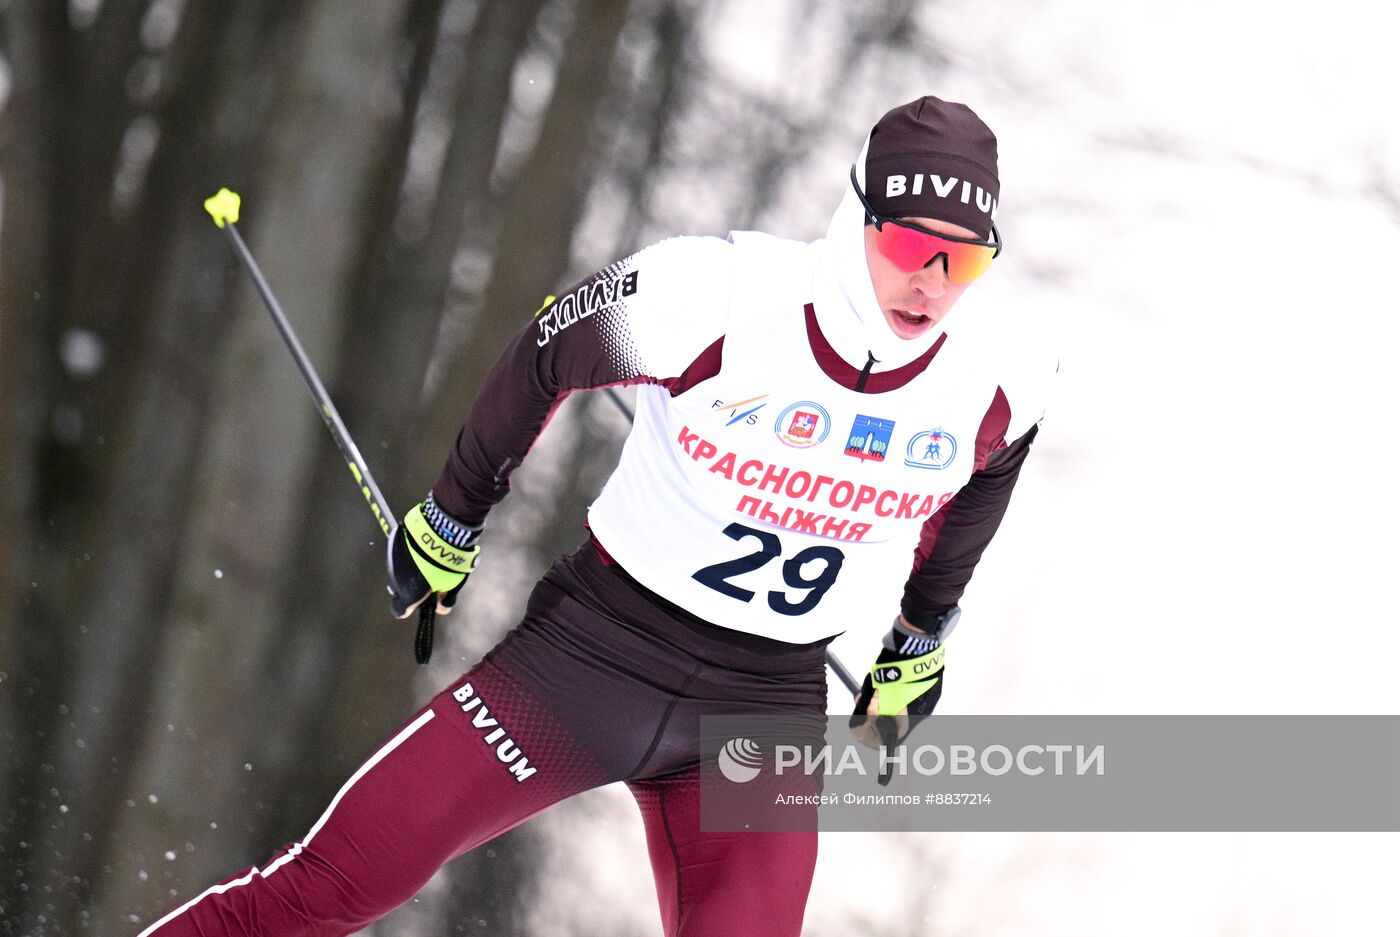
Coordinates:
[644,319]
[955,537]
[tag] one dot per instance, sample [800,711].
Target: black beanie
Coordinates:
[933,159]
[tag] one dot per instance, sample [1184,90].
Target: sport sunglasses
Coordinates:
[910,247]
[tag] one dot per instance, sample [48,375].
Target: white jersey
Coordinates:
[768,485]
[767,497]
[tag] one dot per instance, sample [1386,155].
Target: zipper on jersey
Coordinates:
[865,374]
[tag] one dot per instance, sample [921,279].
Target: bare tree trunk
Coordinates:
[115,496]
[342,681]
[48,159]
[25,703]
[642,112]
[263,439]
[532,247]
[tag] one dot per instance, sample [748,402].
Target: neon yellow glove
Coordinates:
[906,679]
[430,554]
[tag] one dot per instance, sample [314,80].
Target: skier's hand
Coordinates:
[430,554]
[906,679]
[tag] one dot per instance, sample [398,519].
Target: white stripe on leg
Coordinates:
[296,849]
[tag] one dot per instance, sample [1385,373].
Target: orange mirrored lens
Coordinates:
[911,250]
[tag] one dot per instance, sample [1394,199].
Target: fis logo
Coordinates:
[494,734]
[742,411]
[869,438]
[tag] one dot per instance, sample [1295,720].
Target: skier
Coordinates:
[722,556]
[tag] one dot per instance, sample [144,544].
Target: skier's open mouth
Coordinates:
[911,318]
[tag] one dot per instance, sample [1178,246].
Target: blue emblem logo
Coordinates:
[802,425]
[869,438]
[931,449]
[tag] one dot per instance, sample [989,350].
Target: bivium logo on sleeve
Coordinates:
[600,294]
[802,425]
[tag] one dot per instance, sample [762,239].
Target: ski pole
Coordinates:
[223,208]
[832,660]
[842,673]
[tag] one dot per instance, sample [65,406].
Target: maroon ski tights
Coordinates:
[597,685]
